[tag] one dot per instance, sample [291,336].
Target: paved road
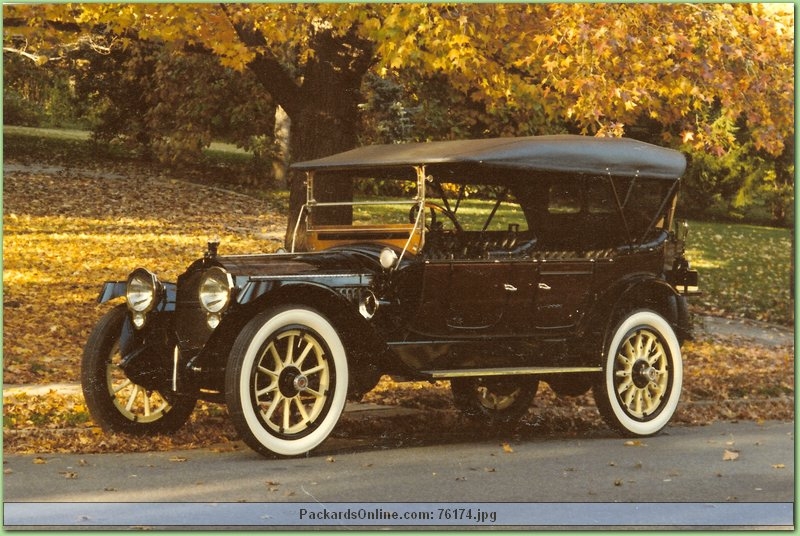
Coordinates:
[720,465]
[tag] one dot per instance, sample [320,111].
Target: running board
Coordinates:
[510,371]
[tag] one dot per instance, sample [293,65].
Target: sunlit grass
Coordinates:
[745,270]
[471,214]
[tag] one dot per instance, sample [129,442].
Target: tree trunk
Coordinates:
[323,111]
[326,122]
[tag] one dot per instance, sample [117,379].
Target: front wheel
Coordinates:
[115,402]
[494,399]
[286,381]
[642,375]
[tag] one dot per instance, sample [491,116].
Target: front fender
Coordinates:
[146,353]
[116,289]
[358,334]
[111,290]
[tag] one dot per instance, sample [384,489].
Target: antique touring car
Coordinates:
[494,264]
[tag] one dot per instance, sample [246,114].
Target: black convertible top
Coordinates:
[562,153]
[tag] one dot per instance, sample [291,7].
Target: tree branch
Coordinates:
[267,69]
[84,42]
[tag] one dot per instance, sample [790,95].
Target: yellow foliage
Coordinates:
[684,58]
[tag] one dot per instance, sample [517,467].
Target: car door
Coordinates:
[476,297]
[563,287]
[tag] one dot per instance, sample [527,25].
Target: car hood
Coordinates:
[352,259]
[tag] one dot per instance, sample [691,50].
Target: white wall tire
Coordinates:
[642,375]
[286,381]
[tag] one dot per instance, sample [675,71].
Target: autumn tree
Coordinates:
[169,107]
[704,77]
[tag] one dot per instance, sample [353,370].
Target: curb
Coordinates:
[42,389]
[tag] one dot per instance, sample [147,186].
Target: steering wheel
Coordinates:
[434,224]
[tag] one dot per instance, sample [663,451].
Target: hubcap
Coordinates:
[641,373]
[300,382]
[291,382]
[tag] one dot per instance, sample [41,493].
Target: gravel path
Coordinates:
[761,333]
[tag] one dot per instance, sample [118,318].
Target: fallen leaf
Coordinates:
[507,448]
[634,443]
[39,460]
[778,466]
[178,459]
[69,474]
[730,455]
[330,459]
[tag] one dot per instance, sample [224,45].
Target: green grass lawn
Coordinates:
[745,270]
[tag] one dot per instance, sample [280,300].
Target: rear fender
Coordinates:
[645,292]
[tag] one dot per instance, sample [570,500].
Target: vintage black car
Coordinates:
[494,264]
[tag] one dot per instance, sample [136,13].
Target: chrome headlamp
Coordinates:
[141,294]
[216,288]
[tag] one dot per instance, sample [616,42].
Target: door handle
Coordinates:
[509,287]
[544,286]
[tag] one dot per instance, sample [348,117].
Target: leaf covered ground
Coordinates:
[66,230]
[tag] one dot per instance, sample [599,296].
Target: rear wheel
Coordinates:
[116,402]
[286,381]
[642,375]
[495,399]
